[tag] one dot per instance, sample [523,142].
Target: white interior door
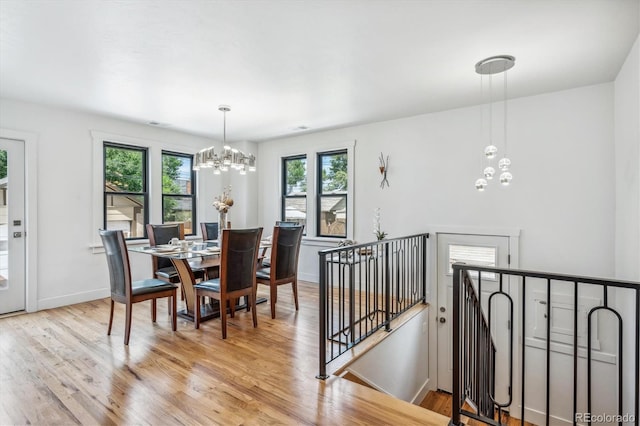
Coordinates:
[12,209]
[485,250]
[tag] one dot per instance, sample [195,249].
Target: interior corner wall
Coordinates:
[627,161]
[68,271]
[561,198]
[627,189]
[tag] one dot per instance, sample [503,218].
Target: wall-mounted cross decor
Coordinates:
[384,166]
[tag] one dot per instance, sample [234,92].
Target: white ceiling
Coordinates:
[284,64]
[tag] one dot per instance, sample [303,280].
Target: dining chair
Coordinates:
[239,253]
[162,267]
[264,261]
[285,248]
[209,230]
[127,292]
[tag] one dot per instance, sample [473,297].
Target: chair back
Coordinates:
[209,230]
[284,251]
[239,258]
[118,262]
[162,234]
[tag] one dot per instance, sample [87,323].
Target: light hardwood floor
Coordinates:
[59,367]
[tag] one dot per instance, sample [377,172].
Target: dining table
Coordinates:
[203,256]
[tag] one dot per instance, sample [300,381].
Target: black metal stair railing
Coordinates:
[474,352]
[363,287]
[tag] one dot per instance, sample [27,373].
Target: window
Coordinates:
[474,255]
[126,197]
[178,190]
[332,194]
[294,189]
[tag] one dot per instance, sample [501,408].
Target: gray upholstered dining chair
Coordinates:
[285,248]
[162,267]
[239,254]
[123,290]
[209,230]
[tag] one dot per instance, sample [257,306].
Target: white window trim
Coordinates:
[312,188]
[154,186]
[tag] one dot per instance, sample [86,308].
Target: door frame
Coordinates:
[31,212]
[432,291]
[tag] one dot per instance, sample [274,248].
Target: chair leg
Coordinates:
[154,310]
[251,300]
[232,307]
[110,319]
[196,313]
[294,285]
[273,295]
[223,317]
[127,326]
[174,311]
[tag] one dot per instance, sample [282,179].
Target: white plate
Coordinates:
[165,249]
[213,249]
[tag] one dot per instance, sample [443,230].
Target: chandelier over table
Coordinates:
[228,158]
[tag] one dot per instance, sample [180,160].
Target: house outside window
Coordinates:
[331,207]
[294,189]
[126,197]
[178,190]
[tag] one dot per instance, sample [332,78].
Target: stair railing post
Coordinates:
[387,288]
[322,332]
[424,268]
[455,397]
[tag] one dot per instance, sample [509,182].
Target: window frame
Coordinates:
[145,183]
[192,195]
[283,187]
[320,195]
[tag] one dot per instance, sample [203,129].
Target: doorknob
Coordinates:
[443,309]
[443,320]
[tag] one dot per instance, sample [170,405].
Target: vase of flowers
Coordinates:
[377,230]
[223,203]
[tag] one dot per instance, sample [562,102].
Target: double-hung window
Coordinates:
[178,190]
[294,189]
[331,206]
[126,197]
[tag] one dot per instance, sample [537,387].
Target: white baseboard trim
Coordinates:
[368,382]
[71,299]
[538,417]
[422,393]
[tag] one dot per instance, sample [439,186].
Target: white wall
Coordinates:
[627,167]
[68,271]
[562,196]
[399,365]
[627,188]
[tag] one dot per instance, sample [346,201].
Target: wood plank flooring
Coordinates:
[59,367]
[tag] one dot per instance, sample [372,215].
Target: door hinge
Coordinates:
[508,259]
[508,324]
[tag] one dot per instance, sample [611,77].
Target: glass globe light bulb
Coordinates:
[490,151]
[489,172]
[505,178]
[481,184]
[504,164]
